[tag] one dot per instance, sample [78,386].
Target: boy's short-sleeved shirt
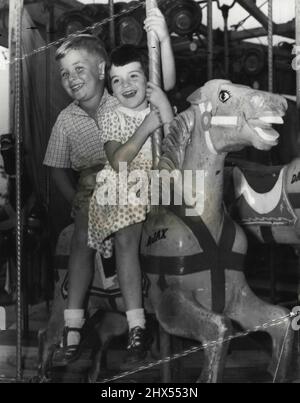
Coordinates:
[75,141]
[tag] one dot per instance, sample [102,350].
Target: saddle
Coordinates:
[261,198]
[262,180]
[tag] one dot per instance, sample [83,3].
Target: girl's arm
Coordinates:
[156,22]
[159,99]
[117,152]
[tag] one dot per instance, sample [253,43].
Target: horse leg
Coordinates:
[50,337]
[251,312]
[180,314]
[112,324]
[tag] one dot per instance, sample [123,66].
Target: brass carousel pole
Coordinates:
[112,35]
[270,45]
[270,89]
[15,34]
[225,13]
[155,77]
[297,54]
[298,115]
[210,45]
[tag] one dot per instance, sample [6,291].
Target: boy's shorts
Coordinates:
[85,188]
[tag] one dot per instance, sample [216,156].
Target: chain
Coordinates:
[281,352]
[195,349]
[242,22]
[75,34]
[4,379]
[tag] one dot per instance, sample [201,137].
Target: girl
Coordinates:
[126,137]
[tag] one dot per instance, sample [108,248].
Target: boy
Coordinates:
[75,143]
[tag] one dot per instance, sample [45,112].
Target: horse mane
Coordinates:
[174,145]
[181,128]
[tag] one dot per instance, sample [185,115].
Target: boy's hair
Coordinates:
[90,43]
[126,54]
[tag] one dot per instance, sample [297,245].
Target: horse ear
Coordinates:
[196,97]
[208,92]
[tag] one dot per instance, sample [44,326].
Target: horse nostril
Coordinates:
[257,101]
[284,105]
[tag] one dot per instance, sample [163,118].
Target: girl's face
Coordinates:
[129,85]
[79,72]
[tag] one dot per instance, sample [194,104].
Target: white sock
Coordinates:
[74,318]
[136,317]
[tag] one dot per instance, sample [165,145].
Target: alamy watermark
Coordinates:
[296,318]
[4,60]
[296,60]
[157,188]
[4,64]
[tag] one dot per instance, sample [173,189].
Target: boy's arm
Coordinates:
[62,179]
[117,152]
[156,22]
[58,155]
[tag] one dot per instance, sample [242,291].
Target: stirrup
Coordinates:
[66,354]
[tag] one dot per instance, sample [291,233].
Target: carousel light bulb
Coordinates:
[228,3]
[130,31]
[73,26]
[183,16]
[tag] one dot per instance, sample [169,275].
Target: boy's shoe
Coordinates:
[138,345]
[66,354]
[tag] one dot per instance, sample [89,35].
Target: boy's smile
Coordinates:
[77,87]
[80,76]
[129,85]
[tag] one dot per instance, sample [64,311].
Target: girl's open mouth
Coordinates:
[129,94]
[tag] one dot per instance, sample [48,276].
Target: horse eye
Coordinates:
[224,96]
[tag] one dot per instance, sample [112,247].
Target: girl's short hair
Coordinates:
[126,54]
[90,43]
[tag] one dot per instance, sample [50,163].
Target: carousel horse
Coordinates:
[35,281]
[4,187]
[193,254]
[199,287]
[3,184]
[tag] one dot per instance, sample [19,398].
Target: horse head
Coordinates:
[223,117]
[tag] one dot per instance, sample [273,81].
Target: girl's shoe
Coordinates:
[66,354]
[138,345]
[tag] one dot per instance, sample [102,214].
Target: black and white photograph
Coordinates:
[149,194]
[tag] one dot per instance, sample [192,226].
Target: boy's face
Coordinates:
[80,72]
[129,85]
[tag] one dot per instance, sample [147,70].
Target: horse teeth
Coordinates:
[265,136]
[272,119]
[224,121]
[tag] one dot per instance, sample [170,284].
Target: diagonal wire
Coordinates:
[84,30]
[238,25]
[195,349]
[281,352]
